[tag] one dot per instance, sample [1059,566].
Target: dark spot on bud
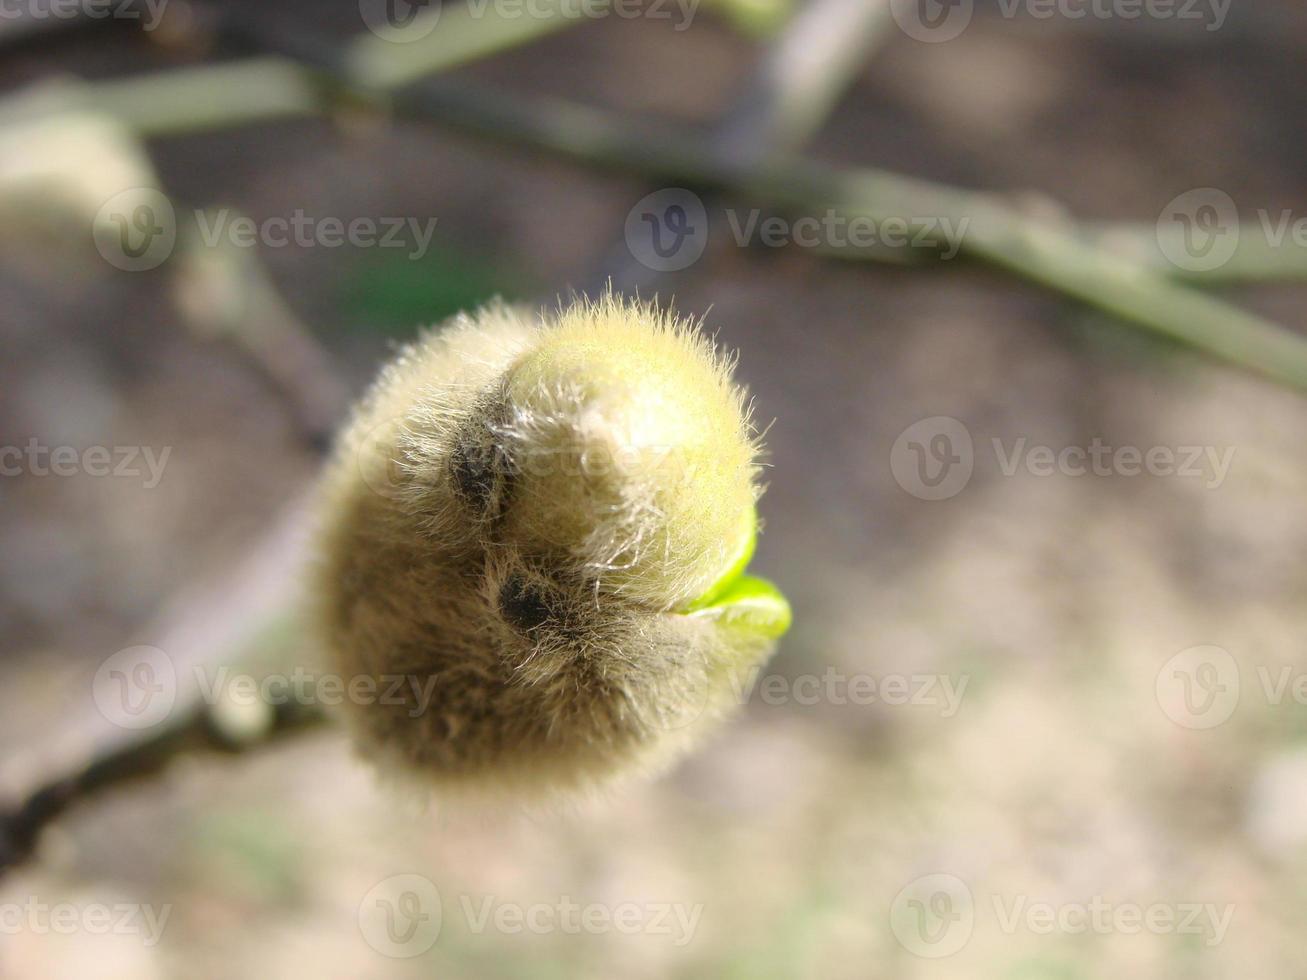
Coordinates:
[479,467]
[523,605]
[472,467]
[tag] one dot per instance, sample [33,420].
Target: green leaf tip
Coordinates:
[745,601]
[752,604]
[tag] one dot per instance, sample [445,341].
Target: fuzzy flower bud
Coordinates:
[534,533]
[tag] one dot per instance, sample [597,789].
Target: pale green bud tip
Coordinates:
[658,501]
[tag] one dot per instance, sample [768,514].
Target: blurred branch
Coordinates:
[1261,254]
[262,89]
[1030,246]
[224,620]
[1119,270]
[181,100]
[1047,254]
[223,293]
[1257,257]
[119,764]
[785,100]
[800,78]
[466,33]
[24,26]
[796,85]
[226,292]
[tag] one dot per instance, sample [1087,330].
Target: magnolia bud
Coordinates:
[533,541]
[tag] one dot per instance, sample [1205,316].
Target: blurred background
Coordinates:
[1041,713]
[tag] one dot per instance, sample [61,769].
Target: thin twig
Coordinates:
[785,100]
[119,764]
[221,621]
[217,622]
[226,292]
[801,77]
[1028,245]
[1003,235]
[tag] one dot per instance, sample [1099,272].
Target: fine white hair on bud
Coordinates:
[533,540]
